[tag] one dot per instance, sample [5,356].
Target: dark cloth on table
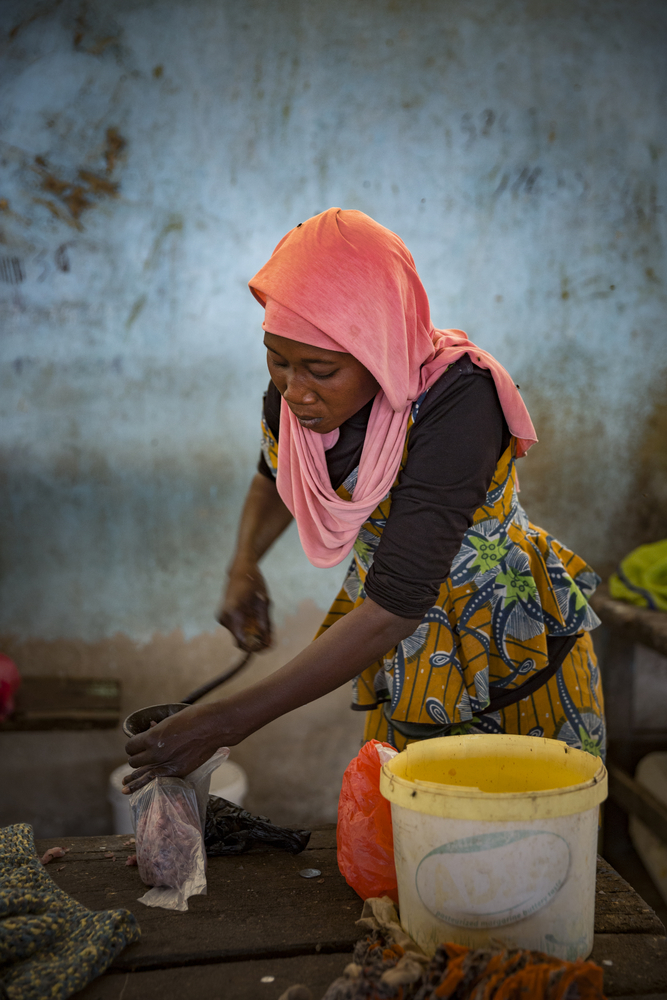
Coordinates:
[458,436]
[50,945]
[230,829]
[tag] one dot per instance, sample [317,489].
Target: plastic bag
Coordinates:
[365,835]
[230,829]
[168,816]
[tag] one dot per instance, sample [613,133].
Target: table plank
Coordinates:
[638,969]
[257,903]
[638,963]
[618,908]
[65,703]
[263,883]
[634,624]
[639,801]
[228,981]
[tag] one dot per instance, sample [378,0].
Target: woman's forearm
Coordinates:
[263,519]
[182,742]
[245,603]
[357,640]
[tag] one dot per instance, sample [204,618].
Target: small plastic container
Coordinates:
[229,781]
[495,839]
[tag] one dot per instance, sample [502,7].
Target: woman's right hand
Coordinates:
[245,609]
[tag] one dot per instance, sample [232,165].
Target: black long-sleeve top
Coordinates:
[455,443]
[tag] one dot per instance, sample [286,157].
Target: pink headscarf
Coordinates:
[342,282]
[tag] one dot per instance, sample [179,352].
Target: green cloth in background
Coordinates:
[641,578]
[50,945]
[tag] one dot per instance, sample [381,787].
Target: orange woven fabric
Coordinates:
[459,973]
[516,975]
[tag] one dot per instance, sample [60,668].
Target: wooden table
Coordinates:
[625,629]
[261,918]
[64,703]
[633,624]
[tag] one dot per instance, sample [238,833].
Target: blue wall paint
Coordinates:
[517,147]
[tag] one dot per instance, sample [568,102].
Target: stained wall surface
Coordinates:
[152,155]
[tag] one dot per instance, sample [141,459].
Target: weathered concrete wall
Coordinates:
[152,155]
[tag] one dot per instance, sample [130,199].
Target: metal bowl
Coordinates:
[140,721]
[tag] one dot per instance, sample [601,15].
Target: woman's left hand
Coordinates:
[177,745]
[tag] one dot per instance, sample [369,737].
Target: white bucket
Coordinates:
[495,839]
[120,804]
[229,781]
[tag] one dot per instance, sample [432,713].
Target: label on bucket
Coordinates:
[494,878]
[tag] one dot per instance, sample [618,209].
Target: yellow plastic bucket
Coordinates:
[495,839]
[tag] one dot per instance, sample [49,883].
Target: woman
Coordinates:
[395,442]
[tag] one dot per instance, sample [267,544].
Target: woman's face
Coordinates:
[322,388]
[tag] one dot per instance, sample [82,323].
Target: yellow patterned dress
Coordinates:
[510,586]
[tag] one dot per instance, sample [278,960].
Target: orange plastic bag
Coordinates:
[364,835]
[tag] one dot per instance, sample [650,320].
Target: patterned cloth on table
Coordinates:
[510,586]
[50,945]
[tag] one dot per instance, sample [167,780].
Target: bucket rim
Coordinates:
[463,802]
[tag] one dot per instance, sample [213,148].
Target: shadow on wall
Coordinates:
[58,781]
